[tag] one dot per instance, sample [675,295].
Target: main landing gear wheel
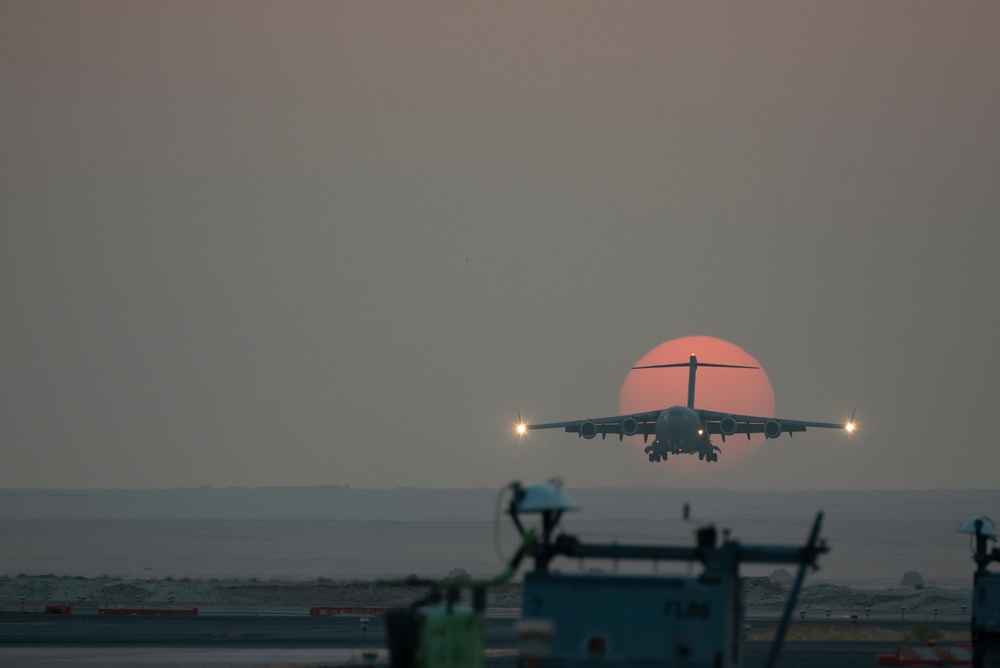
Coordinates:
[652,457]
[701,456]
[648,449]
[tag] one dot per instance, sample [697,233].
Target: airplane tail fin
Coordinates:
[693,365]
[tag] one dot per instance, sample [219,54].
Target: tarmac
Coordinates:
[287,641]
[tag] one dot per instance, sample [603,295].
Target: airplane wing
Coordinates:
[617,425]
[754,424]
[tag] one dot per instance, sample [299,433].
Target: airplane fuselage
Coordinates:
[679,430]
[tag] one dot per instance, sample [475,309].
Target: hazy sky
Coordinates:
[293,244]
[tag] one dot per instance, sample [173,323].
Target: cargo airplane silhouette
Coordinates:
[684,429]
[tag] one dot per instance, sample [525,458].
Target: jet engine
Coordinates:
[629,426]
[772,429]
[728,425]
[588,429]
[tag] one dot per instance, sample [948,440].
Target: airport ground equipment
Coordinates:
[438,631]
[572,620]
[985,594]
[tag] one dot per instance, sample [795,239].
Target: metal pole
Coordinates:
[779,636]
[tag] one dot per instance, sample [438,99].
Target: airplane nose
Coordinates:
[673,432]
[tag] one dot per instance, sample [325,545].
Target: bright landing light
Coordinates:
[522,428]
[849,427]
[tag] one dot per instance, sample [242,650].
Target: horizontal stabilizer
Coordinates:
[666,366]
[693,365]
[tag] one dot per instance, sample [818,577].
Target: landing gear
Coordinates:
[648,449]
[652,457]
[701,456]
[712,457]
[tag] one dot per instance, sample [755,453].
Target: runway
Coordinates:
[230,631]
[213,641]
